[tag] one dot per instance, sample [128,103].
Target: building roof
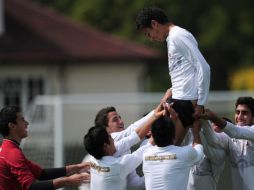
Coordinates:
[35,33]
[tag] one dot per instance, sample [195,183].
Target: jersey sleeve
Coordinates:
[126,143]
[215,154]
[139,123]
[243,132]
[188,45]
[217,140]
[130,162]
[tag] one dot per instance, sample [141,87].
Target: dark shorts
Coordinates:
[185,109]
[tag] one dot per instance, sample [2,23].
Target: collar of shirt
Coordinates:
[12,140]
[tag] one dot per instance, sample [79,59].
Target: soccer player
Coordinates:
[237,140]
[19,173]
[112,121]
[166,166]
[188,70]
[108,171]
[206,174]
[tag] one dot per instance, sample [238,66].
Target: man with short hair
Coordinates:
[114,124]
[110,119]
[237,140]
[189,72]
[108,171]
[166,166]
[19,173]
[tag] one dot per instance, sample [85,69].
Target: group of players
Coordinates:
[186,145]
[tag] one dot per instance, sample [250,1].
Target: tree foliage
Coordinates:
[242,79]
[224,29]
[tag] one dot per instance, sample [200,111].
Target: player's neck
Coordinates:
[170,26]
[14,138]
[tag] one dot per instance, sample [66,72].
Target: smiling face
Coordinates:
[243,116]
[115,122]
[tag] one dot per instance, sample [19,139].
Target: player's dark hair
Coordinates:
[8,115]
[248,101]
[101,117]
[94,141]
[146,15]
[163,131]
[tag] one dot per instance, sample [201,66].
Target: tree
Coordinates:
[224,30]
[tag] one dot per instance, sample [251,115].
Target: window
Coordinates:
[11,88]
[35,87]
[20,91]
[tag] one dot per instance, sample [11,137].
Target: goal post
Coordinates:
[59,122]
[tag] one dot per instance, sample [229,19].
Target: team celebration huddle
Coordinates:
[181,144]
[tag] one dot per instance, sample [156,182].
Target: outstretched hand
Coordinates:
[207,115]
[78,179]
[83,167]
[77,168]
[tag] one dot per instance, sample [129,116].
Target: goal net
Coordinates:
[58,123]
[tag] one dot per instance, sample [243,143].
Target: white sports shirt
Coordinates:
[111,173]
[167,168]
[206,174]
[240,146]
[134,181]
[188,70]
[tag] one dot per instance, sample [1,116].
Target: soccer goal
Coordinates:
[58,123]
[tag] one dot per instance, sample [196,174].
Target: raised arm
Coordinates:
[216,155]
[217,140]
[209,115]
[180,131]
[131,161]
[243,132]
[195,131]
[158,112]
[196,144]
[119,135]
[127,142]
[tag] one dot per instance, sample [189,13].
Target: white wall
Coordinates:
[103,77]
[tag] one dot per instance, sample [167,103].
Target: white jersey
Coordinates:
[241,152]
[121,147]
[206,174]
[111,173]
[126,132]
[188,70]
[134,181]
[167,168]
